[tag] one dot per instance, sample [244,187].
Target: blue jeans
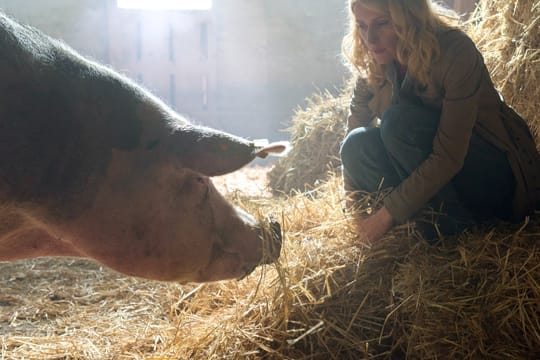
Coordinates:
[483,189]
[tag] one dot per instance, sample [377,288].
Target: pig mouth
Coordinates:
[232,264]
[271,240]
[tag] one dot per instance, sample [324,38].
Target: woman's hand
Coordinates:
[375,226]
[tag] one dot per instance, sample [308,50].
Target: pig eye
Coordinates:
[202,181]
[191,185]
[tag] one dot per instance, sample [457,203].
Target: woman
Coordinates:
[445,139]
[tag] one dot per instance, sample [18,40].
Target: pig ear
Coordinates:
[278,148]
[212,152]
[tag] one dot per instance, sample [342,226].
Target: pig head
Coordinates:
[94,166]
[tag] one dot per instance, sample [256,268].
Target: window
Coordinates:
[171,43]
[165,4]
[204,41]
[138,40]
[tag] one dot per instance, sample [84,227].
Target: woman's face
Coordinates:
[377,32]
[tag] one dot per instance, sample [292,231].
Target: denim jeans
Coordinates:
[482,190]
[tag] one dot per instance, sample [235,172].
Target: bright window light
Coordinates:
[165,4]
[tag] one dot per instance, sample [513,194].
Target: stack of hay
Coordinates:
[507,34]
[316,133]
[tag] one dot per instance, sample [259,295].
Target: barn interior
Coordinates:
[476,296]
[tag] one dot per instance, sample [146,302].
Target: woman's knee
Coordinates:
[408,124]
[356,144]
[365,160]
[391,124]
[351,141]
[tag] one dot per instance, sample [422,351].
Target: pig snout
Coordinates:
[271,241]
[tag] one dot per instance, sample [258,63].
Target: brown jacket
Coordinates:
[460,87]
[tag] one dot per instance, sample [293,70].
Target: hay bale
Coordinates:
[477,300]
[506,33]
[316,133]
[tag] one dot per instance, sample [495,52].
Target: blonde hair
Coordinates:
[416,23]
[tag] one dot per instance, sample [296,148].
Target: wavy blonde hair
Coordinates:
[416,23]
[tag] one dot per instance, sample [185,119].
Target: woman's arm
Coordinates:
[359,112]
[374,226]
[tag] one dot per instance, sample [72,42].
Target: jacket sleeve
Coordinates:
[460,72]
[359,112]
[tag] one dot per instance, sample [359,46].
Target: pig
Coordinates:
[94,166]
